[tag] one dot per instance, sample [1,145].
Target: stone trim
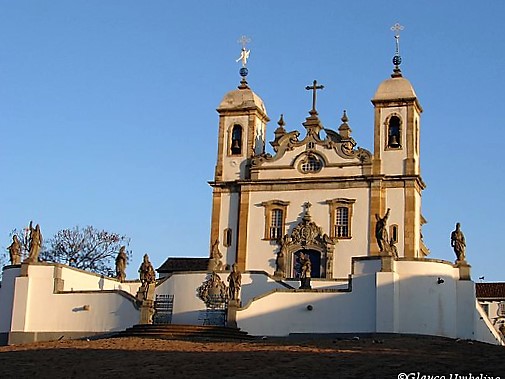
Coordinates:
[216,216]
[243,216]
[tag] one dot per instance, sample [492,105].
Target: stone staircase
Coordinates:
[178,331]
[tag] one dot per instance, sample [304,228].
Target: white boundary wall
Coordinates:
[37,303]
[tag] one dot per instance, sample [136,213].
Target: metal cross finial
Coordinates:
[314,87]
[397,28]
[244,40]
[307,205]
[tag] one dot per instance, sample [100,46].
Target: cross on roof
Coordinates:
[397,28]
[244,40]
[314,87]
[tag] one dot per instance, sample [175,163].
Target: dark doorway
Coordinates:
[315,261]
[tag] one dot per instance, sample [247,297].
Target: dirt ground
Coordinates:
[391,357]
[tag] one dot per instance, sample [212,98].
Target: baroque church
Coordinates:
[322,236]
[319,194]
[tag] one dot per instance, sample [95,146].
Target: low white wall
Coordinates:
[7,296]
[425,305]
[79,280]
[36,307]
[285,311]
[416,297]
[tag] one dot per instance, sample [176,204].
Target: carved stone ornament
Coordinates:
[213,291]
[306,235]
[306,232]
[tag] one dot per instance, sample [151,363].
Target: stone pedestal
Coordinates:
[305,284]
[232,313]
[464,270]
[387,263]
[146,299]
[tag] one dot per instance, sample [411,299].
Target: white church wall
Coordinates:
[228,219]
[328,171]
[262,253]
[395,199]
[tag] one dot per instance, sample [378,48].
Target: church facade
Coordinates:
[318,194]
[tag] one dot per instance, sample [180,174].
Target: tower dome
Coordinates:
[241,99]
[395,88]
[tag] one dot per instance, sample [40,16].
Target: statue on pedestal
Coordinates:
[121,264]
[35,243]
[458,243]
[146,270]
[381,232]
[235,282]
[145,294]
[15,251]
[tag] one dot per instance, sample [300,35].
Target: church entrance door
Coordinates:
[315,261]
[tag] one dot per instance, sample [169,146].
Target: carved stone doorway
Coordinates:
[315,261]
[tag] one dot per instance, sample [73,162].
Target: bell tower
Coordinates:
[396,160]
[241,136]
[242,124]
[397,123]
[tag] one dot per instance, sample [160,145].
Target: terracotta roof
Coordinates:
[184,264]
[490,290]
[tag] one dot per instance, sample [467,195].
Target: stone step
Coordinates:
[177,331]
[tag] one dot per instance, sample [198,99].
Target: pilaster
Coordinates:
[242,230]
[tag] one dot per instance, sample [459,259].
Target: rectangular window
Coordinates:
[342,222]
[276,220]
[341,210]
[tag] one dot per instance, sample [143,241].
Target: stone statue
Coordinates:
[215,263]
[305,269]
[458,243]
[15,251]
[235,281]
[146,270]
[392,248]
[35,243]
[280,262]
[244,56]
[381,232]
[121,264]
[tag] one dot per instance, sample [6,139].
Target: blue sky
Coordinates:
[107,108]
